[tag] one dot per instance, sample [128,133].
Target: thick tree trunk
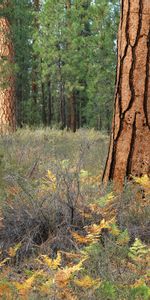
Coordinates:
[129,150]
[7,102]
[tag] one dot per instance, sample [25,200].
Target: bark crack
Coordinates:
[147,82]
[132,144]
[131,73]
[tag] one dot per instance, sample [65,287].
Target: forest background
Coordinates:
[64,62]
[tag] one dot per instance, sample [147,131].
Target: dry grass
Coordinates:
[62,235]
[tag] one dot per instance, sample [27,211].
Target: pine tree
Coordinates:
[7,85]
[64,58]
[129,151]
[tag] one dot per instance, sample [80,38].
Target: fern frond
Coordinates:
[87,282]
[51,263]
[13,250]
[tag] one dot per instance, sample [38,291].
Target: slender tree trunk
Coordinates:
[62,97]
[63,106]
[44,120]
[19,97]
[129,150]
[78,116]
[49,116]
[68,113]
[71,98]
[7,90]
[73,112]
[36,5]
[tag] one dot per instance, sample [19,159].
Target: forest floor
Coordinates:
[62,234]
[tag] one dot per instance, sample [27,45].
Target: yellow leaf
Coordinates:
[114,230]
[13,250]
[96,229]
[80,239]
[87,282]
[24,287]
[52,263]
[144,181]
[2,263]
[49,183]
[51,176]
[62,277]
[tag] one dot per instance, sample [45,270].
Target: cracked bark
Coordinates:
[7,99]
[129,149]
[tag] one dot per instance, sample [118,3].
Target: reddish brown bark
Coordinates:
[129,150]
[7,99]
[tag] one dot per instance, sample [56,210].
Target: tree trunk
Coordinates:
[36,6]
[7,102]
[62,106]
[62,96]
[73,112]
[71,98]
[49,115]
[129,150]
[44,119]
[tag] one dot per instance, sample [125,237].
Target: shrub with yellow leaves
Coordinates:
[13,250]
[62,277]
[50,263]
[144,181]
[25,287]
[87,282]
[49,183]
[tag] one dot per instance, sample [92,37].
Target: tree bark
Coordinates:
[44,119]
[129,149]
[73,112]
[36,6]
[49,114]
[62,106]
[7,90]
[71,98]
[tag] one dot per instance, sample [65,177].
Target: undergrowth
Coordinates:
[62,235]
